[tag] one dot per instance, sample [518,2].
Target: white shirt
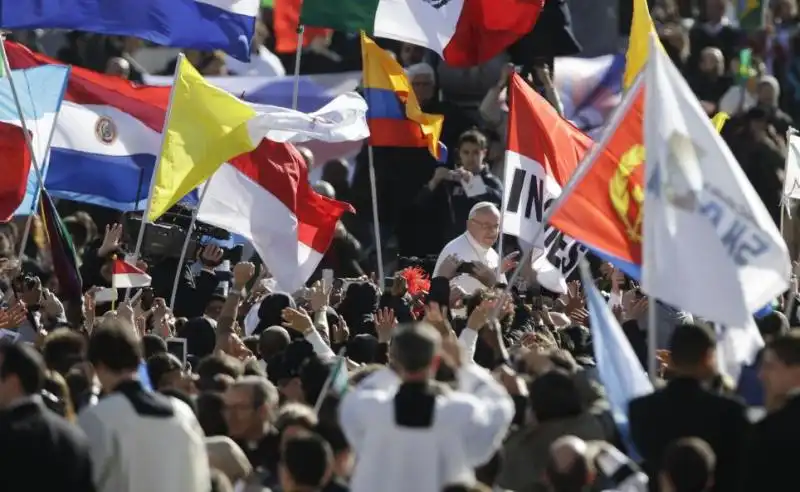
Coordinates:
[264,63]
[468,427]
[467,249]
[134,452]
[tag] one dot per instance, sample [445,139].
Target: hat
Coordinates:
[227,457]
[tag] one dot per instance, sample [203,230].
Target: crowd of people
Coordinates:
[407,382]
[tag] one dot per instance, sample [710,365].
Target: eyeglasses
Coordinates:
[486,226]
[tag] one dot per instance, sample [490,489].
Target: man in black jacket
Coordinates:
[38,449]
[773,453]
[687,408]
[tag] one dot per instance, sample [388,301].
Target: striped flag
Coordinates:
[65,260]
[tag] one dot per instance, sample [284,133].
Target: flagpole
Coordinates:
[146,213]
[326,386]
[28,141]
[652,340]
[500,237]
[375,220]
[583,168]
[186,245]
[297,57]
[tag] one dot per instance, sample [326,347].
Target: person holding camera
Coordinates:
[469,260]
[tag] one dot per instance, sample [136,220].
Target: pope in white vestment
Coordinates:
[475,246]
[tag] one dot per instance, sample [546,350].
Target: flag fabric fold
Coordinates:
[542,153]
[709,245]
[62,251]
[286,20]
[204,25]
[791,178]
[620,371]
[16,167]
[265,197]
[106,139]
[463,33]
[394,115]
[642,29]
[207,127]
[40,90]
[605,208]
[127,276]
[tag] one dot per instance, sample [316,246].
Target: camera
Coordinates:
[164,239]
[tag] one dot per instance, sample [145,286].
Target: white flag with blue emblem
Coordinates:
[709,245]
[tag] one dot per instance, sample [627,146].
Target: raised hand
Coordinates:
[448,267]
[385,323]
[51,304]
[436,316]
[635,308]
[242,273]
[509,262]
[340,333]
[479,317]
[111,240]
[297,319]
[573,299]
[13,316]
[211,255]
[319,295]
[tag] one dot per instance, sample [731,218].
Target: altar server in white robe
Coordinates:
[410,433]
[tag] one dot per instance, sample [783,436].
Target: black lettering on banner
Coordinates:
[553,254]
[534,202]
[574,254]
[515,194]
[535,198]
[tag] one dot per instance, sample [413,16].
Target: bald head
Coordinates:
[568,467]
[119,67]
[325,189]
[272,341]
[308,156]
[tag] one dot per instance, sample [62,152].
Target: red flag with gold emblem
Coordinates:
[604,210]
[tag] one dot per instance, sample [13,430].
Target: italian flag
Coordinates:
[126,276]
[463,32]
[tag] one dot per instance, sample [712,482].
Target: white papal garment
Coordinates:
[467,427]
[467,249]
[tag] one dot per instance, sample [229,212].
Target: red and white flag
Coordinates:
[265,197]
[543,151]
[126,276]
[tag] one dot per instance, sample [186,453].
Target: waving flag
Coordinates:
[62,251]
[204,25]
[709,245]
[605,209]
[285,20]
[621,373]
[16,168]
[642,29]
[463,33]
[40,91]
[265,197]
[394,114]
[127,276]
[106,139]
[542,153]
[207,127]
[590,89]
